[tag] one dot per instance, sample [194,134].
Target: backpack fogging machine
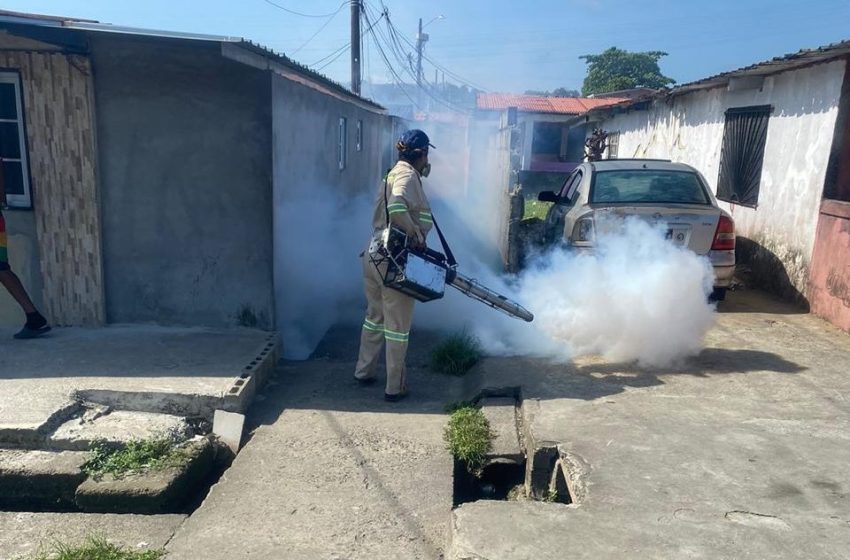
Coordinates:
[424,273]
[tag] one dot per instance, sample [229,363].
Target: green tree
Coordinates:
[616,69]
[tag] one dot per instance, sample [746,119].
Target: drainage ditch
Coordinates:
[515,468]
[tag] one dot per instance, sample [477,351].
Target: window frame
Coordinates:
[571,185]
[21,201]
[613,148]
[342,143]
[764,111]
[358,137]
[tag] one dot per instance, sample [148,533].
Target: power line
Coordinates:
[287,10]
[397,51]
[322,28]
[335,54]
[445,70]
[398,81]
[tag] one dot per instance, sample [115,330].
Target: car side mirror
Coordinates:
[548,196]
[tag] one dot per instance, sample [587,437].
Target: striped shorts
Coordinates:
[4,251]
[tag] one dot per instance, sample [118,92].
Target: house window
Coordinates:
[742,154]
[613,145]
[359,139]
[341,147]
[13,146]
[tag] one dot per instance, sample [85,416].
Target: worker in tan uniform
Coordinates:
[389,313]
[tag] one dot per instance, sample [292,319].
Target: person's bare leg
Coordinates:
[13,284]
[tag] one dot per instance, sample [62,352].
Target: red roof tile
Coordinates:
[536,104]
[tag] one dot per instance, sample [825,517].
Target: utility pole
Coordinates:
[355,46]
[420,42]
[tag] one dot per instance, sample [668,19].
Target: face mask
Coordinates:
[426,170]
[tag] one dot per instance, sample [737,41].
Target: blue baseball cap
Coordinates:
[412,140]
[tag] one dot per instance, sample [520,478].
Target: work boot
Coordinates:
[395,397]
[35,326]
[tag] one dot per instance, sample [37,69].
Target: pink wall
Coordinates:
[829,280]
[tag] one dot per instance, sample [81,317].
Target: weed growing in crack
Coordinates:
[151,454]
[97,548]
[456,354]
[451,407]
[468,437]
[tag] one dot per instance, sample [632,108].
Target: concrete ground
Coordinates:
[332,471]
[740,452]
[23,535]
[38,376]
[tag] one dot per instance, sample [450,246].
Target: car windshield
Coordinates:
[650,185]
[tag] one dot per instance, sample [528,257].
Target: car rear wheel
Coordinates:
[718,294]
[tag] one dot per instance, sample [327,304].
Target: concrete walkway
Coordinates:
[23,535]
[178,365]
[332,471]
[740,453]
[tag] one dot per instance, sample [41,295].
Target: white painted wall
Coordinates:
[689,129]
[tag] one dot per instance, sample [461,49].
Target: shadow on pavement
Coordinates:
[325,382]
[755,301]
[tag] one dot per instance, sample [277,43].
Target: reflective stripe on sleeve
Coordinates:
[396,208]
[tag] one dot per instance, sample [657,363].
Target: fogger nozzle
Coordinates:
[474,289]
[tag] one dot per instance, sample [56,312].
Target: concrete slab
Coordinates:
[164,491]
[183,371]
[22,535]
[117,427]
[501,414]
[39,479]
[331,470]
[740,452]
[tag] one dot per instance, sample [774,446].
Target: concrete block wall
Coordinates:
[186,173]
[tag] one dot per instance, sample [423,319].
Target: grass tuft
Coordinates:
[138,455]
[535,209]
[456,354]
[451,407]
[468,437]
[96,548]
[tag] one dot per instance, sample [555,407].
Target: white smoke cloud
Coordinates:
[636,297]
[318,274]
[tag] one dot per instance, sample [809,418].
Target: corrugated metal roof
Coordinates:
[97,27]
[803,57]
[776,65]
[537,104]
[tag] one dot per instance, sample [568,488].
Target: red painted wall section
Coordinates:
[829,280]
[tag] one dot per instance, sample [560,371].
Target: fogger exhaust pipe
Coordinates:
[424,273]
[474,289]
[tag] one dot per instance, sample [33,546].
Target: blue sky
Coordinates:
[501,45]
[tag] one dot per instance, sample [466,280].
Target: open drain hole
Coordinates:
[497,481]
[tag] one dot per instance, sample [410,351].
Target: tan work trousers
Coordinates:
[389,314]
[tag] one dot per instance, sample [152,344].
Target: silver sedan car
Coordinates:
[673,194]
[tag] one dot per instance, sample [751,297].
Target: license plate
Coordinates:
[677,236]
